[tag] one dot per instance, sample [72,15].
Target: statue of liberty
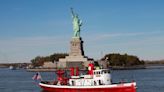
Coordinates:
[77,23]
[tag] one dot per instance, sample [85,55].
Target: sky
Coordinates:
[30,28]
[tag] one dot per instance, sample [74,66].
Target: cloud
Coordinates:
[32,41]
[147,45]
[26,48]
[114,35]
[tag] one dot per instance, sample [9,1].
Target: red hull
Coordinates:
[113,89]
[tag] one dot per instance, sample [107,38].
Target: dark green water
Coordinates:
[148,80]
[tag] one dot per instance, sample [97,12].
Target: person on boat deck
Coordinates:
[59,83]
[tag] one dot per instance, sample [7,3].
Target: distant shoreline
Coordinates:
[147,66]
[112,68]
[19,65]
[41,70]
[128,68]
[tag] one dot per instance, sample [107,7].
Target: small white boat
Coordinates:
[12,68]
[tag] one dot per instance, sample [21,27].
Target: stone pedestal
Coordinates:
[76,48]
[76,56]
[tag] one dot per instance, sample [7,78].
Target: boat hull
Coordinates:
[126,87]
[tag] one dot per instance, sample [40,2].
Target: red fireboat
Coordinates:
[97,80]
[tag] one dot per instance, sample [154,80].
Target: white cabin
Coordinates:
[99,77]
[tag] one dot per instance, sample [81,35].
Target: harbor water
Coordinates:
[148,80]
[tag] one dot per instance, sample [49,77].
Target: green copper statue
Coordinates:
[77,23]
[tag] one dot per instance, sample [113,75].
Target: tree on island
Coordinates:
[39,60]
[116,59]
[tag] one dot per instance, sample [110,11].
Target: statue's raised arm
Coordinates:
[77,23]
[72,12]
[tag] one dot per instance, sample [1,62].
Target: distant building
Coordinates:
[49,65]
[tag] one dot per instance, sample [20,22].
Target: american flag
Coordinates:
[37,76]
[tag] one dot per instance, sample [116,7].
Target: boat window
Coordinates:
[73,83]
[99,81]
[106,71]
